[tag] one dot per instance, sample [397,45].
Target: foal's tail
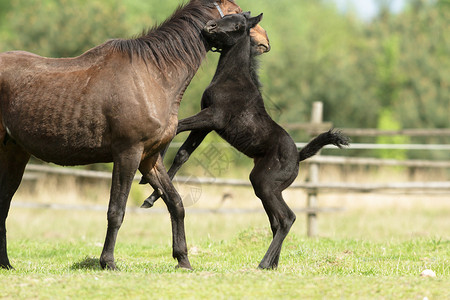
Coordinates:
[334,137]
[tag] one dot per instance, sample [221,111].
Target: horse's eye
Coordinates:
[237,27]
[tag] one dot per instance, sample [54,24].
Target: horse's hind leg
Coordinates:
[13,160]
[160,181]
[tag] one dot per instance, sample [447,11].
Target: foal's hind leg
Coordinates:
[268,180]
[13,160]
[192,142]
[160,181]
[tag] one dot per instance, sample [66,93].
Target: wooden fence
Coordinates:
[313,186]
[317,123]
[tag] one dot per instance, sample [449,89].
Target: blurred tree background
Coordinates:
[389,72]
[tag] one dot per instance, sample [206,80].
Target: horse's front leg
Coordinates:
[160,181]
[13,160]
[126,163]
[194,139]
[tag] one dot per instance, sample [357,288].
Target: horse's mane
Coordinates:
[176,42]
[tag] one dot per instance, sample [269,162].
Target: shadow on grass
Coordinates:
[88,263]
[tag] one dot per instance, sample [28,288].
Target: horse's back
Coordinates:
[54,107]
[72,110]
[22,61]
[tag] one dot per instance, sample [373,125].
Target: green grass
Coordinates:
[360,255]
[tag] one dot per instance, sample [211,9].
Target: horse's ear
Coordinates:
[254,21]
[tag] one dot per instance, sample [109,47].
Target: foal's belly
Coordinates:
[250,135]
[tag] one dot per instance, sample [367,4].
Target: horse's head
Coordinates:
[258,34]
[227,31]
[224,7]
[260,39]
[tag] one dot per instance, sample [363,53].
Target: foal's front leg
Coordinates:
[126,163]
[201,124]
[192,142]
[207,119]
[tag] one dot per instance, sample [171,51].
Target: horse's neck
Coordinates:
[175,45]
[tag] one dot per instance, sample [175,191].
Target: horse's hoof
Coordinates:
[146,204]
[108,266]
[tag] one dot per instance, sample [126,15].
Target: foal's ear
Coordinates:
[252,22]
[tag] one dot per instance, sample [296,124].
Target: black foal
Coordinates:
[232,106]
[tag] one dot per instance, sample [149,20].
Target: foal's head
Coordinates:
[226,32]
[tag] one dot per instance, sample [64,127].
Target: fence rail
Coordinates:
[156,210]
[369,132]
[313,186]
[322,186]
[366,132]
[369,161]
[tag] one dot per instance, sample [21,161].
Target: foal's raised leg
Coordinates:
[192,142]
[126,163]
[13,160]
[268,180]
[207,119]
[160,181]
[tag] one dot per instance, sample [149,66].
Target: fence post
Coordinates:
[316,118]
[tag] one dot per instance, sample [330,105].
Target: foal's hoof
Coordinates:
[184,267]
[7,267]
[264,266]
[147,204]
[143,180]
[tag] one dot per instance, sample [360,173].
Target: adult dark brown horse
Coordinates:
[117,102]
[232,106]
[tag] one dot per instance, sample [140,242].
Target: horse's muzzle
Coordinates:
[263,48]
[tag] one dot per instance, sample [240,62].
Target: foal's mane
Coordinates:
[254,66]
[175,42]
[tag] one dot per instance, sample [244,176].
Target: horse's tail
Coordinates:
[334,137]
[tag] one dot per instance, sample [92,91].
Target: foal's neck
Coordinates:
[239,60]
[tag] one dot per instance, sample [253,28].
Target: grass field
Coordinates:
[362,253]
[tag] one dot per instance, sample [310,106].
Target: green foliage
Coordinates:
[63,28]
[416,83]
[5,5]
[312,59]
[387,122]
